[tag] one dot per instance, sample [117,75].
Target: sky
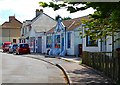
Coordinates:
[25,10]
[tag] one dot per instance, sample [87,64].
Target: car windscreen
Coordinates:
[15,45]
[24,45]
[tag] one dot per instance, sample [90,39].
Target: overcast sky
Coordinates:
[25,10]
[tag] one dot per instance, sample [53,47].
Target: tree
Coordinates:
[65,18]
[105,19]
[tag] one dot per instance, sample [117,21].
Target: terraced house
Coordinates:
[11,30]
[33,31]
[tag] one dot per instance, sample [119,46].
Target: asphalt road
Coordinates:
[20,69]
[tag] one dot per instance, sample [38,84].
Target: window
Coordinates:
[24,45]
[69,40]
[48,41]
[23,31]
[57,41]
[90,41]
[19,40]
[14,40]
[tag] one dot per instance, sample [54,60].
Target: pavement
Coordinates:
[1,50]
[77,73]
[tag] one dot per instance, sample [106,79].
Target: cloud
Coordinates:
[22,9]
[25,10]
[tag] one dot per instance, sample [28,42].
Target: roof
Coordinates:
[40,15]
[51,30]
[12,23]
[71,24]
[74,23]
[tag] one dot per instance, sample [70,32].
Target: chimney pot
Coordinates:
[38,12]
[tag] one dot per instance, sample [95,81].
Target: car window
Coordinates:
[10,46]
[15,45]
[24,45]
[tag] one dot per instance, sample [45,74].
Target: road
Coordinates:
[20,69]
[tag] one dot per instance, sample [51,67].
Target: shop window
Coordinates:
[57,41]
[69,40]
[91,42]
[48,41]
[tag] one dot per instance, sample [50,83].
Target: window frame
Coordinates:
[47,42]
[88,41]
[69,35]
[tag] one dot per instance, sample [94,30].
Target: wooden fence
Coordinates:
[106,62]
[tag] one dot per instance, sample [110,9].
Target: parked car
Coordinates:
[22,48]
[12,48]
[5,46]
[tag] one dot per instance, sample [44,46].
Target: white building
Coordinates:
[65,37]
[37,27]
[105,46]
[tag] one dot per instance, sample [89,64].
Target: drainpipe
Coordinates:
[53,41]
[9,35]
[65,40]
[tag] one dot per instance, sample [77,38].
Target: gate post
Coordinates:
[118,53]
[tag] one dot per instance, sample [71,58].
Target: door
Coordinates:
[62,44]
[80,49]
[39,50]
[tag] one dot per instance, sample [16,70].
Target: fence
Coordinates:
[106,62]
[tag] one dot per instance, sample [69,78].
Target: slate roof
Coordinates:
[71,24]
[74,23]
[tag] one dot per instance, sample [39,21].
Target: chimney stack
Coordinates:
[11,18]
[38,12]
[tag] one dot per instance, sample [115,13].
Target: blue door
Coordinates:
[62,44]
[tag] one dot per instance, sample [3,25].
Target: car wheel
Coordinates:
[16,53]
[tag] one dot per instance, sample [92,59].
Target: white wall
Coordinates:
[43,23]
[0,36]
[117,43]
[78,40]
[70,51]
[90,48]
[109,44]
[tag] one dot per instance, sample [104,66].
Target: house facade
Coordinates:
[36,31]
[108,44]
[25,31]
[11,30]
[0,36]
[65,38]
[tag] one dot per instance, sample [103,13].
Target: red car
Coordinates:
[22,48]
[5,46]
